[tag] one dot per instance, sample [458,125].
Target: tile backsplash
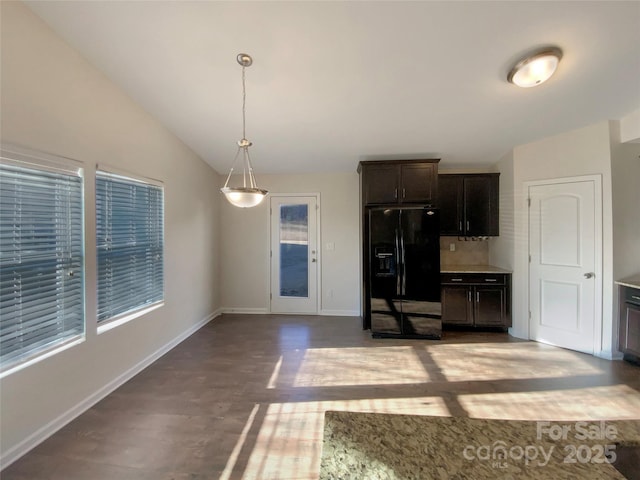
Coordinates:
[467,252]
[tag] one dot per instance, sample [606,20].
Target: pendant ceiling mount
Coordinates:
[244,59]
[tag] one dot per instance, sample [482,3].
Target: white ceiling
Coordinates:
[334,83]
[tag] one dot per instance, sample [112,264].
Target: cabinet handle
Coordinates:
[456,279]
[635,297]
[460,226]
[477,297]
[490,279]
[468,227]
[404,193]
[395,193]
[469,296]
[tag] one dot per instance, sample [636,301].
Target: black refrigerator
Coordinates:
[404,272]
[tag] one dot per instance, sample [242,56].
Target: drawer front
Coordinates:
[473,279]
[632,295]
[454,278]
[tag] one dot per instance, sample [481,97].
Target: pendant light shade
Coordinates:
[244,197]
[248,195]
[536,68]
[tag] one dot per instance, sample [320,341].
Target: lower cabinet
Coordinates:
[476,300]
[630,323]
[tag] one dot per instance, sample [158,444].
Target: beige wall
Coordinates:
[245,243]
[54,101]
[584,151]
[501,248]
[629,128]
[625,175]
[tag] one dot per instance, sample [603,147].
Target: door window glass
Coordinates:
[294,250]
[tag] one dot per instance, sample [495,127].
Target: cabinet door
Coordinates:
[450,204]
[456,305]
[380,183]
[418,183]
[490,306]
[481,205]
[630,329]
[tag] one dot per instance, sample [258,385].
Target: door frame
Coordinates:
[598,241]
[318,246]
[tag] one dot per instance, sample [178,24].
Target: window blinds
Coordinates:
[41,260]
[129,236]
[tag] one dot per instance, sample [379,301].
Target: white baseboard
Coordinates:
[253,311]
[265,311]
[517,333]
[340,313]
[40,435]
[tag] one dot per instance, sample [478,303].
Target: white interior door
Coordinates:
[565,288]
[294,254]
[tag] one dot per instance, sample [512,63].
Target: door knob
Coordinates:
[589,275]
[313,259]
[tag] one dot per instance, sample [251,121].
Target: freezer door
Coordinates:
[420,258]
[384,271]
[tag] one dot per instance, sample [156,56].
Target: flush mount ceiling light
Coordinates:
[248,195]
[535,68]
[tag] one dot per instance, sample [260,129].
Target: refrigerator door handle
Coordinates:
[404,270]
[397,263]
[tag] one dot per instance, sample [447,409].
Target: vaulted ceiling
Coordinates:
[334,83]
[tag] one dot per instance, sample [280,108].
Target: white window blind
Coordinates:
[130,244]
[41,260]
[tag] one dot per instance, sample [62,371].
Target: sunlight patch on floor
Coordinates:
[329,367]
[274,375]
[501,361]
[226,473]
[615,402]
[289,443]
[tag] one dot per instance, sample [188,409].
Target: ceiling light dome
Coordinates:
[536,68]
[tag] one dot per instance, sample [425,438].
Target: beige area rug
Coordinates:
[367,446]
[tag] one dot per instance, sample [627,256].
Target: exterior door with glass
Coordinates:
[294,254]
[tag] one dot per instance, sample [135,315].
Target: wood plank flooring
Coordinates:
[244,397]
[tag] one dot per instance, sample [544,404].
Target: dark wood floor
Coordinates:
[244,397]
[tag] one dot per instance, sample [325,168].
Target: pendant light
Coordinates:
[248,195]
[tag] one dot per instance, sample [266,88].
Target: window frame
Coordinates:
[109,323]
[47,163]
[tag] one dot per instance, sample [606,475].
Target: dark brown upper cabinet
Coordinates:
[469,204]
[399,182]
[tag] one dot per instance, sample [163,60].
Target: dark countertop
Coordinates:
[472,269]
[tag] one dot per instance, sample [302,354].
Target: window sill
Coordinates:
[43,354]
[127,317]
